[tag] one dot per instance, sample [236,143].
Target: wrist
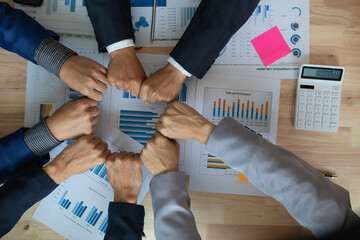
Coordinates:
[53,130]
[123,198]
[123,52]
[205,131]
[176,74]
[53,171]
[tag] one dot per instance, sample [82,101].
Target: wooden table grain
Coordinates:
[334,40]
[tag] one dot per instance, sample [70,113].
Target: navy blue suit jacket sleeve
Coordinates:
[15,155]
[111,20]
[19,33]
[211,28]
[126,221]
[21,192]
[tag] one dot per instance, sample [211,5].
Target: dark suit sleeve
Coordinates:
[111,20]
[15,155]
[19,33]
[211,28]
[126,221]
[20,193]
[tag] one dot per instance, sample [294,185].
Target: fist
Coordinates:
[74,119]
[163,86]
[125,71]
[80,156]
[160,155]
[124,171]
[85,76]
[180,121]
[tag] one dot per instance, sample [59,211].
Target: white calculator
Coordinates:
[318,98]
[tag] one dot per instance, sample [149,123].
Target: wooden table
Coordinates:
[335,40]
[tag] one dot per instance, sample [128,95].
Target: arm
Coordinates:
[126,217]
[315,202]
[71,121]
[170,199]
[34,183]
[206,34]
[173,218]
[20,193]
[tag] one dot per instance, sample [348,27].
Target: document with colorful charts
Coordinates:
[70,17]
[78,207]
[134,118]
[252,101]
[292,19]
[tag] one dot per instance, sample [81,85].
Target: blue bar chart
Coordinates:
[251,108]
[146,3]
[100,171]
[79,209]
[103,225]
[261,15]
[52,6]
[93,216]
[186,15]
[65,203]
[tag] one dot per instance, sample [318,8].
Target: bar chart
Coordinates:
[93,216]
[186,15]
[100,171]
[261,15]
[45,110]
[79,209]
[65,203]
[52,5]
[251,108]
[104,225]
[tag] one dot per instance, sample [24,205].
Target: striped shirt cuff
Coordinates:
[51,55]
[39,139]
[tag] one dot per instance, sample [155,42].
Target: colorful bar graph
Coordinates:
[238,108]
[242,111]
[257,112]
[261,112]
[228,111]
[266,110]
[103,225]
[214,110]
[219,107]
[252,110]
[224,105]
[247,109]
[233,110]
[45,110]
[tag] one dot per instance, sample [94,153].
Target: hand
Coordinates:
[160,155]
[74,119]
[163,86]
[125,71]
[180,121]
[124,172]
[85,76]
[80,156]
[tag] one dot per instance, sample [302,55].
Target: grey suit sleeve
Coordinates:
[315,202]
[171,205]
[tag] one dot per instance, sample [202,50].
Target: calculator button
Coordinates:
[326,109]
[336,88]
[301,107]
[327,94]
[335,94]
[327,101]
[302,99]
[334,109]
[309,116]
[317,125]
[300,124]
[318,108]
[319,94]
[333,126]
[326,121]
[310,93]
[301,115]
[335,101]
[318,100]
[310,108]
[302,92]
[317,117]
[308,124]
[333,118]
[310,100]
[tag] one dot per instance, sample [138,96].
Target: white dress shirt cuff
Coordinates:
[179,67]
[120,45]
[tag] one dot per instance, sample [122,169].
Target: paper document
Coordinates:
[78,208]
[254,102]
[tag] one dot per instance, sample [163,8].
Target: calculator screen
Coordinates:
[332,74]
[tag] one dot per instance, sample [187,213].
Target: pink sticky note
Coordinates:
[271,46]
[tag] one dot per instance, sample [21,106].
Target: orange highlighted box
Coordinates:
[242,178]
